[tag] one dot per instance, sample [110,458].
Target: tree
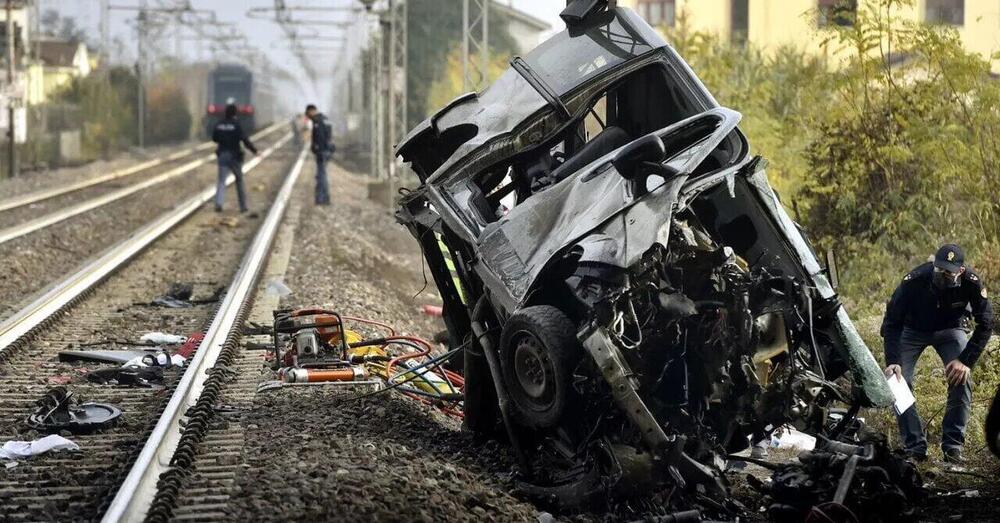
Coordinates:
[54,24]
[168,114]
[107,104]
[434,32]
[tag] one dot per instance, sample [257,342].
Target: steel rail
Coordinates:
[37,196]
[22,229]
[62,294]
[134,497]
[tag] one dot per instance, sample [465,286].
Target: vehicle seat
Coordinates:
[606,141]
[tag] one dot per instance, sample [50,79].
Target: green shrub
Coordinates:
[883,162]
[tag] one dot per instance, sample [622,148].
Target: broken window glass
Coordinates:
[565,62]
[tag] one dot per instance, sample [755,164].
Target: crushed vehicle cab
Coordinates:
[635,301]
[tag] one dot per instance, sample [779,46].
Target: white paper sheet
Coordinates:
[25,449]
[902,393]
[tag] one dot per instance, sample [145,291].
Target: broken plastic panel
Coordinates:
[56,412]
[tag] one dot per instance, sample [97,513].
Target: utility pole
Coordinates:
[380,79]
[11,138]
[142,28]
[140,71]
[397,84]
[475,41]
[373,95]
[106,30]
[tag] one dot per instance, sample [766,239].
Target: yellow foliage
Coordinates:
[449,85]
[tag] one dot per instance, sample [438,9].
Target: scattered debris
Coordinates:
[683,516]
[182,295]
[432,310]
[276,287]
[190,345]
[59,380]
[160,338]
[159,359]
[128,376]
[789,438]
[170,303]
[56,412]
[13,450]
[866,481]
[103,356]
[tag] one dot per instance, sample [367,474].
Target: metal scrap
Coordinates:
[866,481]
[56,411]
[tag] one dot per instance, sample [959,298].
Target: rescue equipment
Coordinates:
[314,346]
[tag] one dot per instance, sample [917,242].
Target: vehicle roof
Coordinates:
[568,60]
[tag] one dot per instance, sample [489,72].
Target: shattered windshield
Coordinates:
[565,61]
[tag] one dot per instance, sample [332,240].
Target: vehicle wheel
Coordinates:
[539,350]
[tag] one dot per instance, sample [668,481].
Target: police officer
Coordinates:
[322,146]
[928,308]
[229,135]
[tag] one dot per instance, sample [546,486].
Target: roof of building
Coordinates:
[521,16]
[57,53]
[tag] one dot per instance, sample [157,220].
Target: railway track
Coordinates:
[22,215]
[33,261]
[104,303]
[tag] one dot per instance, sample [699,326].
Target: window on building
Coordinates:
[948,12]
[837,12]
[658,12]
[739,12]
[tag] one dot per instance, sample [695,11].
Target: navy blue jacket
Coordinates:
[322,135]
[918,305]
[229,134]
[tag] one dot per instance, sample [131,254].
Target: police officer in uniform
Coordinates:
[322,147]
[229,135]
[928,308]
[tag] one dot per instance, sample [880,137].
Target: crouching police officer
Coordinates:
[229,135]
[928,308]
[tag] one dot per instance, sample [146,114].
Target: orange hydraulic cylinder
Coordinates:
[320,375]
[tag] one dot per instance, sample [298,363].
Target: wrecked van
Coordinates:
[634,300]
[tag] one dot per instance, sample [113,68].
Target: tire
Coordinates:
[538,354]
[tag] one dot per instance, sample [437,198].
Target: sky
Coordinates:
[264,34]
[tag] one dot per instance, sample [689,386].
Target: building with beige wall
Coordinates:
[773,23]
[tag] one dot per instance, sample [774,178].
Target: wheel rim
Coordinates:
[533,371]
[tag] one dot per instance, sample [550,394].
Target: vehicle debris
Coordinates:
[57,411]
[636,301]
[133,376]
[865,481]
[104,356]
[276,287]
[161,338]
[183,295]
[14,450]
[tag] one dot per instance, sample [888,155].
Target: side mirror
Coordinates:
[648,149]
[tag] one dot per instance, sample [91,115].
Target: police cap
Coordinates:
[949,257]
